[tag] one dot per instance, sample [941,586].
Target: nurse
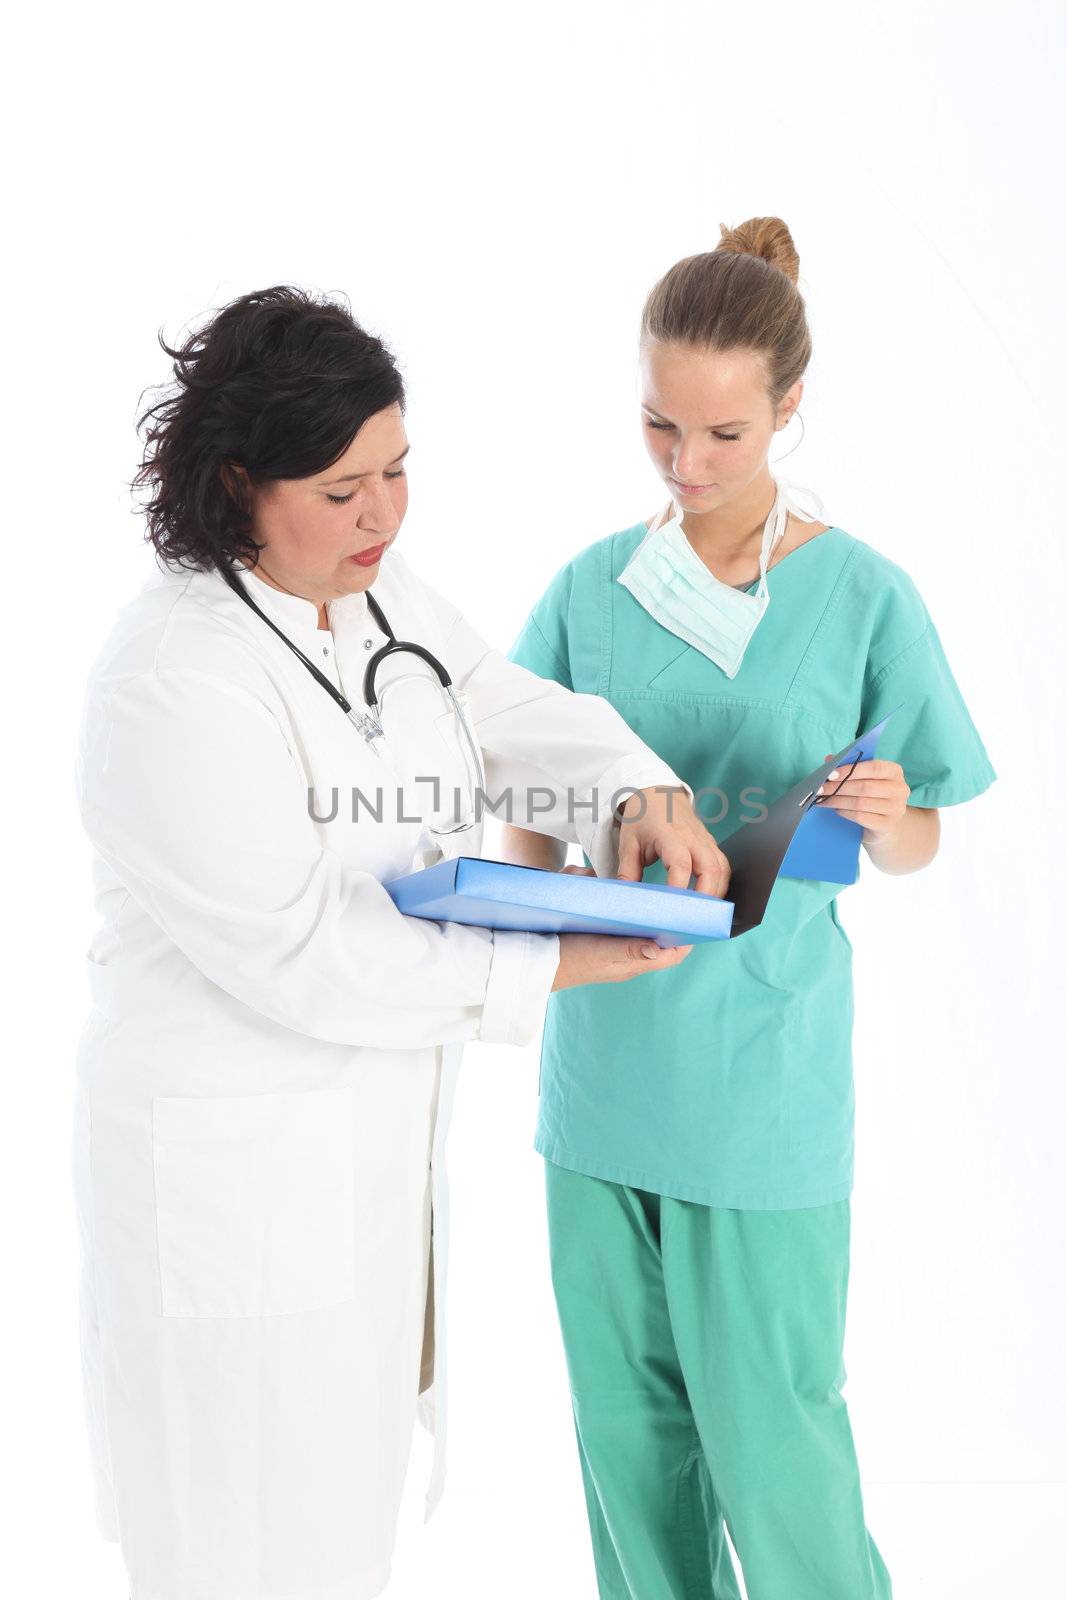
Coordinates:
[698,1129]
[265,1079]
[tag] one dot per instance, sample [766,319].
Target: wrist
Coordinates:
[908,846]
[879,845]
[656,788]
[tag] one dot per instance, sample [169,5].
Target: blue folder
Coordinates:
[498,894]
[796,838]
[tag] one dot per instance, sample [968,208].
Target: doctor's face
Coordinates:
[326,535]
[708,421]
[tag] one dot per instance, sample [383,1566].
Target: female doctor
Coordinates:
[699,1140]
[264,1081]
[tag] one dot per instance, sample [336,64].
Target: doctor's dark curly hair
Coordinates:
[278,382]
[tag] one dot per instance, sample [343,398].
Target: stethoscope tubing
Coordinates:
[392,645]
[369,725]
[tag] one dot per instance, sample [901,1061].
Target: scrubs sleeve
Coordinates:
[931,735]
[542,643]
[560,762]
[188,789]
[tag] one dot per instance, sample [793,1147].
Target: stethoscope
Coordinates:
[369,722]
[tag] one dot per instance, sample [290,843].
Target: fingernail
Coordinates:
[832,776]
[649,950]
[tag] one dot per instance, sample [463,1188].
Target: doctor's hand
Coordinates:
[609,957]
[660,825]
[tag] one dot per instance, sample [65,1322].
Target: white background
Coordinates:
[496,189]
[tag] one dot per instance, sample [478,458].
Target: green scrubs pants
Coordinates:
[704,1347]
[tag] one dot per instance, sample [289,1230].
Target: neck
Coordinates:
[732,533]
[323,620]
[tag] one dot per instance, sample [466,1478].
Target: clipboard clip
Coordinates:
[817,799]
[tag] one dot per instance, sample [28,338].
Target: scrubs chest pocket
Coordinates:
[255,1202]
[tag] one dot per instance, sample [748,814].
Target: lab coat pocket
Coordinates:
[255,1202]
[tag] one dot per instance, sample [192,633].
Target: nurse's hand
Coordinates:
[874,795]
[660,825]
[897,837]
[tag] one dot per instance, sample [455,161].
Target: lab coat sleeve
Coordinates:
[188,789]
[561,762]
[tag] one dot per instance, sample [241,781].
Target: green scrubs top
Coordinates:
[728,1080]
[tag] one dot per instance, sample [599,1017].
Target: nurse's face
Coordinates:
[708,421]
[326,535]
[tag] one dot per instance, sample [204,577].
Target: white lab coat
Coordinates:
[265,1079]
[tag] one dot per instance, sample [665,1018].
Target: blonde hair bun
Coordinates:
[766,237]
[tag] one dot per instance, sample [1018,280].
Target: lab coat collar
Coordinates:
[295,612]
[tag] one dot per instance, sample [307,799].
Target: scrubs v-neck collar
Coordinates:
[777,564]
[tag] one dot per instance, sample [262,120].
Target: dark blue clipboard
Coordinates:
[798,838]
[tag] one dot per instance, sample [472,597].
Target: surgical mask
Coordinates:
[667,577]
